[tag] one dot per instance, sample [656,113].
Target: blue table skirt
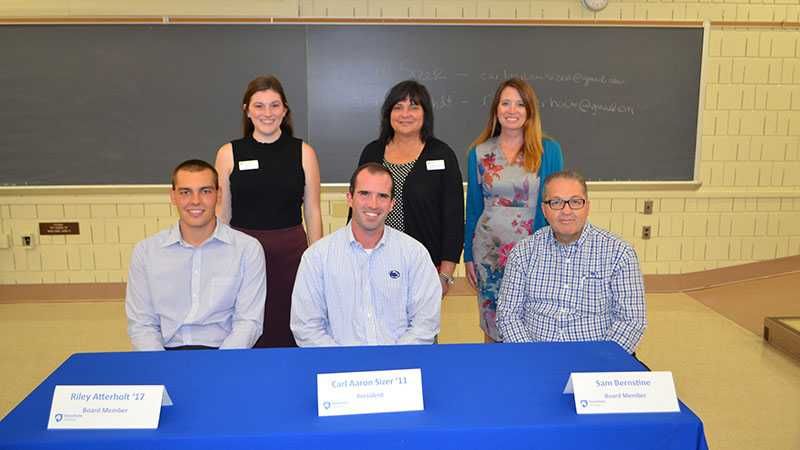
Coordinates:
[503,396]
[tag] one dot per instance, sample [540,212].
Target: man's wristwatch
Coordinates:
[447,279]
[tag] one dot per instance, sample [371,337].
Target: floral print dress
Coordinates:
[510,196]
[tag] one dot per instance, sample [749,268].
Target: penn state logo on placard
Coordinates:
[394,274]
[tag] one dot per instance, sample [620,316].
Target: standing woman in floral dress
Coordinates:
[506,168]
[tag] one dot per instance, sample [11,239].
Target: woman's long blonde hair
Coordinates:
[532,148]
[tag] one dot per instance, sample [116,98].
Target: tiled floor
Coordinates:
[746,393]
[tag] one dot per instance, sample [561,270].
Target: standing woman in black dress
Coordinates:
[428,191]
[267,178]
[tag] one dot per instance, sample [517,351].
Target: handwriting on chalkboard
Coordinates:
[428,75]
[450,99]
[586,105]
[576,78]
[582,105]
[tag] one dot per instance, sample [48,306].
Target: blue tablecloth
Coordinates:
[503,396]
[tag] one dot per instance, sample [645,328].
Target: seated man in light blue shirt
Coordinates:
[367,283]
[571,281]
[200,283]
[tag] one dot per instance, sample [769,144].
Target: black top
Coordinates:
[267,196]
[433,198]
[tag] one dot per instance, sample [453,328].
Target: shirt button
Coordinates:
[562,310]
[567,260]
[566,286]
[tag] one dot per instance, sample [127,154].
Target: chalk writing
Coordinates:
[585,105]
[577,78]
[428,75]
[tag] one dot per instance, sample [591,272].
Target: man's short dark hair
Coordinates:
[565,175]
[195,165]
[373,168]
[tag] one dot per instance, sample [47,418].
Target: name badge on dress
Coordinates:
[435,164]
[248,165]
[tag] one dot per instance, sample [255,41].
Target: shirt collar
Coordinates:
[587,230]
[222,233]
[353,242]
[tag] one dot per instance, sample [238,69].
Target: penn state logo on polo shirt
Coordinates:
[394,274]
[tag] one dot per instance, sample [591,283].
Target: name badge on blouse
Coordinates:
[435,164]
[248,165]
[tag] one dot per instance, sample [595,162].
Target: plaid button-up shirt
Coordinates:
[588,290]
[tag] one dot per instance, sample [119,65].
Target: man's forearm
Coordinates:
[146,340]
[626,333]
[419,334]
[514,332]
[244,334]
[318,338]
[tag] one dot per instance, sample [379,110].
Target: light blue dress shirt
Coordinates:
[346,295]
[212,294]
[588,290]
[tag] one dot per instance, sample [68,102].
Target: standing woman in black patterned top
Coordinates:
[265,178]
[428,191]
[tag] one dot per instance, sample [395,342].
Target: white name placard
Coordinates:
[623,392]
[107,407]
[378,391]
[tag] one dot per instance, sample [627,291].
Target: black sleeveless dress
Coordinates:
[267,184]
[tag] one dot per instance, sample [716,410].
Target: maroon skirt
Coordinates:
[282,249]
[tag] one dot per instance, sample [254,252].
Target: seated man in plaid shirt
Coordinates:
[571,281]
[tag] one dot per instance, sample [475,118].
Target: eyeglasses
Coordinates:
[557,204]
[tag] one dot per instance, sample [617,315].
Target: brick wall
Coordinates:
[748,208]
